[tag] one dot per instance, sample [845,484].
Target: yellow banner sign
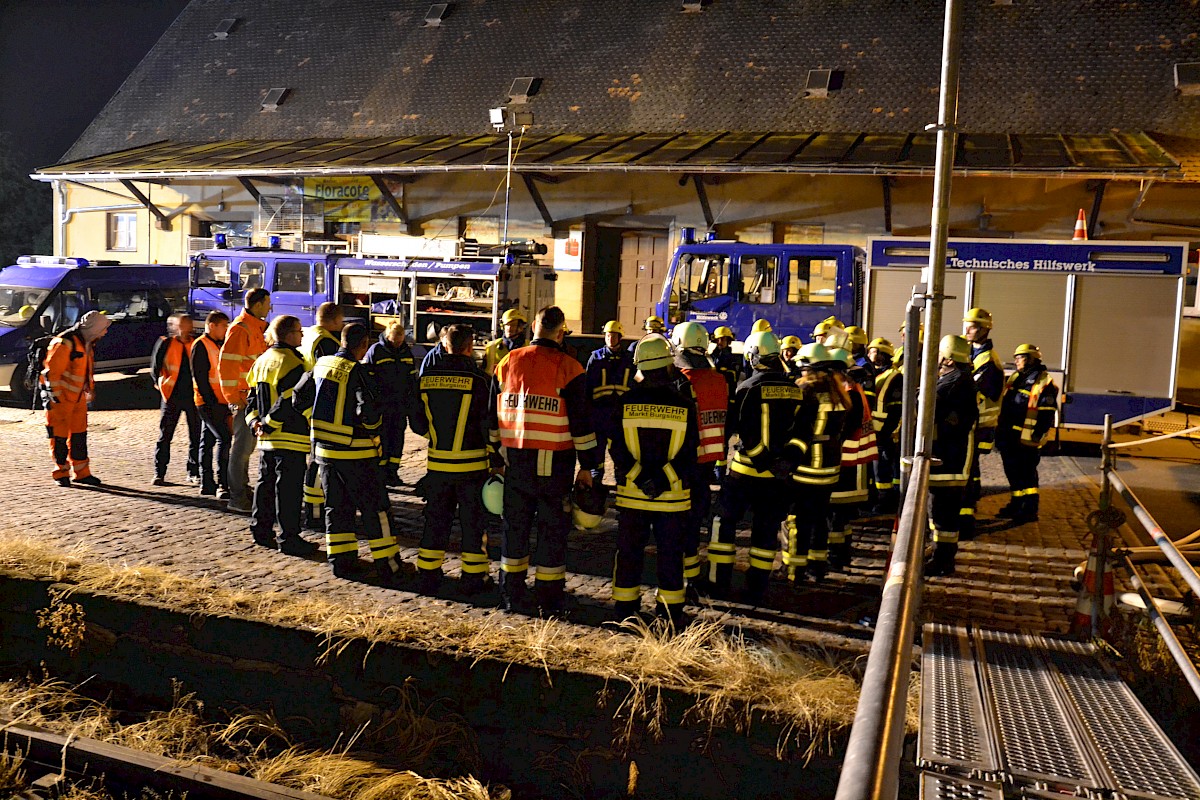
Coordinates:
[355,199]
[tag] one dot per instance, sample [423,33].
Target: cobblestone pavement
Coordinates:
[1008,577]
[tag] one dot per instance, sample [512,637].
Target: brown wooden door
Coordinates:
[644,262]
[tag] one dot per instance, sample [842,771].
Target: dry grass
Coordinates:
[808,693]
[251,745]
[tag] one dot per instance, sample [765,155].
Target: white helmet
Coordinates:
[690,336]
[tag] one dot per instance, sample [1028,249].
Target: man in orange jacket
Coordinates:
[244,343]
[171,366]
[66,386]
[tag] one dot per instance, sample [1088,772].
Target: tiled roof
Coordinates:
[1131,155]
[368,68]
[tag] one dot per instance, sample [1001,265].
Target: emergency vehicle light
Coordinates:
[56,261]
[274,242]
[219,241]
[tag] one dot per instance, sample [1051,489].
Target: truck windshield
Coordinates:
[699,276]
[18,304]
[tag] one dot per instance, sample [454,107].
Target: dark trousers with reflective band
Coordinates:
[445,495]
[395,422]
[314,493]
[887,473]
[697,518]
[536,501]
[634,528]
[278,494]
[353,486]
[169,413]
[215,440]
[944,505]
[974,489]
[808,539]
[1021,469]
[769,499]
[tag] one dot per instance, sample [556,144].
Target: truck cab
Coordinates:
[298,282]
[792,286]
[44,295]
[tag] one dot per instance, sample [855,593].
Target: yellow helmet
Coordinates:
[980,316]
[857,335]
[26,312]
[1028,350]
[724,330]
[955,348]
[613,326]
[653,352]
[790,341]
[760,326]
[654,324]
[512,315]
[883,346]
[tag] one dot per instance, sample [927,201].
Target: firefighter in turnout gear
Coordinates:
[885,419]
[711,394]
[654,324]
[654,459]
[211,406]
[988,374]
[954,415]
[171,367]
[540,415]
[346,423]
[513,322]
[453,394]
[789,346]
[66,387]
[283,440]
[765,408]
[1027,413]
[610,372]
[859,451]
[391,364]
[319,340]
[813,455]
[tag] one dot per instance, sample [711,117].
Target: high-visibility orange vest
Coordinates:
[712,406]
[168,376]
[244,343]
[214,372]
[532,411]
[68,368]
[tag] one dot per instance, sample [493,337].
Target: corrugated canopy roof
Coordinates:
[1096,155]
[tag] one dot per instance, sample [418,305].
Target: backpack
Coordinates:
[35,360]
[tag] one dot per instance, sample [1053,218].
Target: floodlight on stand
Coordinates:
[523,119]
[497,117]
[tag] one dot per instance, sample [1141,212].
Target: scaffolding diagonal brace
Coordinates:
[164,222]
[536,194]
[390,198]
[702,194]
[251,189]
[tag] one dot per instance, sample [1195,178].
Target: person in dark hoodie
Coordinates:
[390,363]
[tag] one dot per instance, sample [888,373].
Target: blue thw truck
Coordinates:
[1106,315]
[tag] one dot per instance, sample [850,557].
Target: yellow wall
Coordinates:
[85,232]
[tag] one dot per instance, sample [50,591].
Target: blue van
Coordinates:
[42,295]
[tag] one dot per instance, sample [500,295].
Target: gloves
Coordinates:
[782,469]
[648,486]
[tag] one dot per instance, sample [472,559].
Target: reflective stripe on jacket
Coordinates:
[315,343]
[765,410]
[68,367]
[168,371]
[816,439]
[988,374]
[657,442]
[1042,397]
[453,417]
[532,407]
[244,343]
[859,446]
[273,377]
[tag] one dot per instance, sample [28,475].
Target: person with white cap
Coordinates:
[67,388]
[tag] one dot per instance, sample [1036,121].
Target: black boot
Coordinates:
[756,586]
[942,563]
[626,609]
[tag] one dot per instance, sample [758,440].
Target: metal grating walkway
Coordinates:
[1017,714]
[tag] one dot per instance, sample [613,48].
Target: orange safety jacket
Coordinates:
[168,374]
[244,343]
[532,408]
[213,351]
[68,368]
[712,406]
[860,446]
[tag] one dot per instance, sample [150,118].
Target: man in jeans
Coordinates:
[244,343]
[211,405]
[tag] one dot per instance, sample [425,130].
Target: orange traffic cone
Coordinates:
[1081,621]
[1080,227]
